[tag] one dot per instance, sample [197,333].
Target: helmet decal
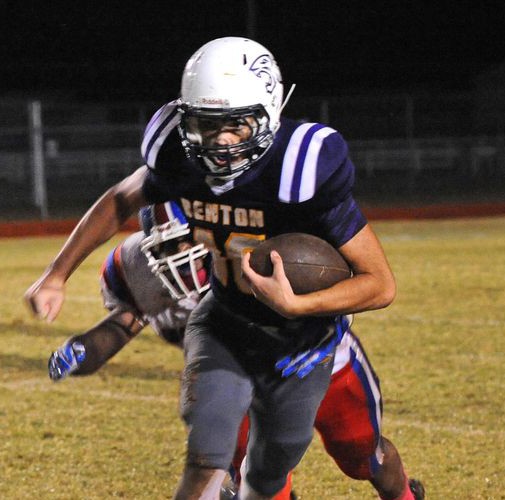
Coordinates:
[169,211]
[161,213]
[263,68]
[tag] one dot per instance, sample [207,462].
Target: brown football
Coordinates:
[310,263]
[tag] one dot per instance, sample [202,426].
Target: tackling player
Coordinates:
[243,174]
[135,279]
[155,277]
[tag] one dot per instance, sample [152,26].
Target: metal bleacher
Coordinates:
[470,154]
[411,156]
[102,164]
[88,147]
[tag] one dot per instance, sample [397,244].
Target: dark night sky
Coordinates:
[136,50]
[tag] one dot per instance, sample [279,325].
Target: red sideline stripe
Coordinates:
[55,227]
[50,227]
[442,211]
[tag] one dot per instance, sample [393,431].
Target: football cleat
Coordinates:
[65,360]
[417,489]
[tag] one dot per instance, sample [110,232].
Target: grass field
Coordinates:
[439,350]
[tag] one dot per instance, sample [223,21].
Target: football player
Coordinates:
[241,174]
[155,277]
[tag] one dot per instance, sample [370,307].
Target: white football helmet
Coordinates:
[230,80]
[182,272]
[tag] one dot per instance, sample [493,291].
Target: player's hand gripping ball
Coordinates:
[310,263]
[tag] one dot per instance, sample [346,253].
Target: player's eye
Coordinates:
[209,125]
[233,124]
[201,125]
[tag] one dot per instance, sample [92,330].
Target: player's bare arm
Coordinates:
[86,353]
[371,287]
[102,221]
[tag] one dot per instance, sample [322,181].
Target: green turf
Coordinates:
[439,351]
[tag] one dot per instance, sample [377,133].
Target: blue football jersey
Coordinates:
[302,184]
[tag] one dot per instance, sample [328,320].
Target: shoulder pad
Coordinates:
[313,154]
[159,127]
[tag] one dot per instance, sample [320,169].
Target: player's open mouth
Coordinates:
[221,160]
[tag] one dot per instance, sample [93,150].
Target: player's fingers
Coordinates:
[305,368]
[283,363]
[53,308]
[41,309]
[31,305]
[51,315]
[246,267]
[289,361]
[35,305]
[30,300]
[277,264]
[45,303]
[248,272]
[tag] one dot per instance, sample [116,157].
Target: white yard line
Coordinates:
[432,427]
[43,386]
[429,427]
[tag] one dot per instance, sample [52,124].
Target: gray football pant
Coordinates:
[220,384]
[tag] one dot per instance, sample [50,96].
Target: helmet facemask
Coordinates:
[199,128]
[181,271]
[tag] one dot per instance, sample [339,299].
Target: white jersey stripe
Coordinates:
[154,119]
[375,391]
[157,131]
[309,170]
[342,353]
[309,174]
[153,125]
[343,356]
[289,162]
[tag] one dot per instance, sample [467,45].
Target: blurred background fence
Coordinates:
[57,157]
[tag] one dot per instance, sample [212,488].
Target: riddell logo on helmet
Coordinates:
[213,101]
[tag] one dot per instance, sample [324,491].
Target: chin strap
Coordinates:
[219,186]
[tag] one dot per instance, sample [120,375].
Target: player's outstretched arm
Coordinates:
[102,221]
[86,353]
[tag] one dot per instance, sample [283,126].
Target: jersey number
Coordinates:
[235,246]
